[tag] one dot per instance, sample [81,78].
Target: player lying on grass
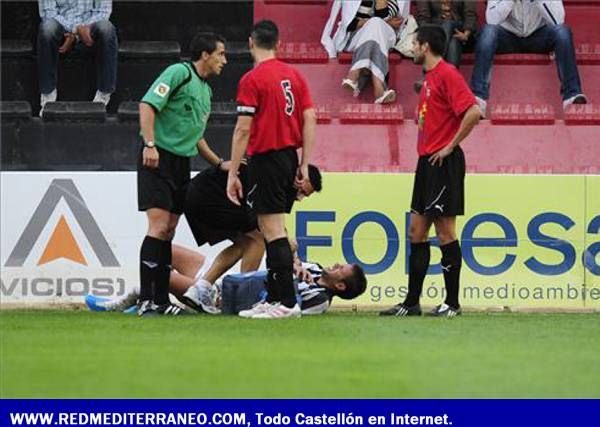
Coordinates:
[213,218]
[316,285]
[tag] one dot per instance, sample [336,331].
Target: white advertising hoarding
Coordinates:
[64,235]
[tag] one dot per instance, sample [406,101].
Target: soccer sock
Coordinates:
[451,263]
[149,263]
[161,289]
[272,291]
[280,277]
[418,263]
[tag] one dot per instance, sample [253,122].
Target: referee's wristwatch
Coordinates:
[149,144]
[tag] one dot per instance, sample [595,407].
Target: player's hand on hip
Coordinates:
[150,157]
[438,158]
[234,190]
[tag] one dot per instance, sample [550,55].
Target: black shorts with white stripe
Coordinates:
[271,181]
[439,190]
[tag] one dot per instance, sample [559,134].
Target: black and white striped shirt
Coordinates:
[316,299]
[367,10]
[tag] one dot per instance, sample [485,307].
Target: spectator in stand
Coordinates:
[368,29]
[531,26]
[458,19]
[65,24]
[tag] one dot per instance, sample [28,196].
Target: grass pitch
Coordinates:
[84,354]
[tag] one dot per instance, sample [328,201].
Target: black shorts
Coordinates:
[440,190]
[271,181]
[165,186]
[210,214]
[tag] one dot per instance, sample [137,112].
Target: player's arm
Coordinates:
[239,143]
[153,102]
[147,116]
[210,156]
[308,136]
[309,130]
[469,121]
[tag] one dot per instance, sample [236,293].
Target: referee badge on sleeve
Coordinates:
[162,89]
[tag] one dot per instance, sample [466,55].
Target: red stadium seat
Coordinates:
[588,54]
[513,59]
[302,53]
[346,58]
[522,114]
[583,114]
[323,113]
[371,114]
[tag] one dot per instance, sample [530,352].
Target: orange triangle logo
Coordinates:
[62,244]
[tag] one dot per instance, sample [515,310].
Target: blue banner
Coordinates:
[299,412]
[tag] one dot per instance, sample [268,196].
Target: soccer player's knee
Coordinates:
[171,233]
[416,235]
[161,230]
[445,236]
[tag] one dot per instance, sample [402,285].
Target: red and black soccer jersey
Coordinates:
[277,96]
[443,100]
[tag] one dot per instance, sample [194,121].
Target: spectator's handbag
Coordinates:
[406,35]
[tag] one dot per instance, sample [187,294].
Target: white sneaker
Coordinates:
[201,298]
[580,98]
[102,97]
[47,97]
[482,103]
[258,308]
[388,97]
[279,311]
[123,303]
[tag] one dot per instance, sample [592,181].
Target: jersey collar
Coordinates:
[191,64]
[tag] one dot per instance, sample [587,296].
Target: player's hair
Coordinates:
[314,176]
[204,42]
[434,36]
[356,283]
[265,34]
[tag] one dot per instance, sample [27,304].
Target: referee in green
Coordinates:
[173,117]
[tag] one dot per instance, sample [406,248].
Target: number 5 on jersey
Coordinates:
[290,103]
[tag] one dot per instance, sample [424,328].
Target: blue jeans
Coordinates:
[106,47]
[495,39]
[454,47]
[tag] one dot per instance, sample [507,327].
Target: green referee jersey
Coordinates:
[182,101]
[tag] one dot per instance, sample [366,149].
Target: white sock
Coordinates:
[201,283]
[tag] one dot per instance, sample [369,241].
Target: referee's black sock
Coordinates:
[281,266]
[149,266]
[273,294]
[418,263]
[451,263]
[161,289]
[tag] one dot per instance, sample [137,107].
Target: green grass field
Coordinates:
[83,354]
